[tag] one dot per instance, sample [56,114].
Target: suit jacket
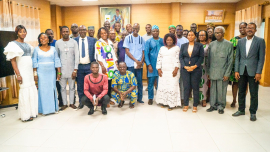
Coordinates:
[196,56]
[91,47]
[255,59]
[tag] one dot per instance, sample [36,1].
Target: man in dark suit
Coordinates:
[249,60]
[87,55]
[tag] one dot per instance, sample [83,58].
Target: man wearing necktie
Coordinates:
[86,50]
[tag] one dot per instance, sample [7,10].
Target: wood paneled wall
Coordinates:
[194,13]
[154,14]
[44,13]
[162,15]
[83,15]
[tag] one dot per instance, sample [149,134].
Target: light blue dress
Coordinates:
[46,62]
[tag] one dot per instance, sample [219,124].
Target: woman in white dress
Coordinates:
[168,65]
[20,55]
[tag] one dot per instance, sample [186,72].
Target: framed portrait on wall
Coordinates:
[214,16]
[115,14]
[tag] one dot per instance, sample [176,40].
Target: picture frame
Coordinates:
[115,13]
[214,16]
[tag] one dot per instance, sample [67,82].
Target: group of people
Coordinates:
[108,68]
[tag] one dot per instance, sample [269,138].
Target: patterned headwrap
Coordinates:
[155,27]
[172,26]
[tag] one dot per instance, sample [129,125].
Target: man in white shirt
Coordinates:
[249,61]
[87,55]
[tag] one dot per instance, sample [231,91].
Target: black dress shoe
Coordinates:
[150,101]
[91,111]
[80,106]
[104,111]
[238,113]
[211,109]
[253,117]
[221,111]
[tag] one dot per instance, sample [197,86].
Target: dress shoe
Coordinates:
[91,111]
[211,109]
[238,113]
[253,117]
[140,101]
[63,107]
[72,106]
[104,111]
[220,111]
[150,101]
[80,106]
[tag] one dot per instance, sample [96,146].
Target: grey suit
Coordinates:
[69,56]
[248,65]
[220,59]
[254,60]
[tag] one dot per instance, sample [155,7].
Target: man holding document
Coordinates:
[134,58]
[95,86]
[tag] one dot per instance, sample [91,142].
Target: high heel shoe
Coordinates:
[194,109]
[185,108]
[204,103]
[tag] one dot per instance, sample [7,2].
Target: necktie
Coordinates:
[83,49]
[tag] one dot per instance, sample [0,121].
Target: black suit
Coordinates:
[191,79]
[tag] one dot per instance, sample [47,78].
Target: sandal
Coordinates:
[121,104]
[112,103]
[233,104]
[170,109]
[185,108]
[162,106]
[194,109]
[131,106]
[30,119]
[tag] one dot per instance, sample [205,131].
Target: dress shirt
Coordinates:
[86,59]
[248,44]
[136,48]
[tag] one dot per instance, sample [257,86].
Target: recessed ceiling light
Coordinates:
[89,0]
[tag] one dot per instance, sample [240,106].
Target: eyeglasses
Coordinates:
[218,32]
[250,28]
[179,30]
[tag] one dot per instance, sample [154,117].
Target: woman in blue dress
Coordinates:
[45,60]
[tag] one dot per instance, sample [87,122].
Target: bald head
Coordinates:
[82,31]
[136,29]
[107,25]
[74,28]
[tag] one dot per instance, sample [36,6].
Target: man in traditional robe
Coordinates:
[220,60]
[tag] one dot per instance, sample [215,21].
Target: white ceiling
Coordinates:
[115,2]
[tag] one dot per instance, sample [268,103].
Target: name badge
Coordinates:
[66,48]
